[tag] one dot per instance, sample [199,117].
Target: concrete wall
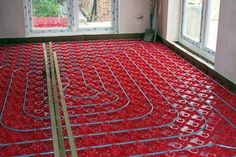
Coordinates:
[162,16]
[168,19]
[173,21]
[129,13]
[225,60]
[12,19]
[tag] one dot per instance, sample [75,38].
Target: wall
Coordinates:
[103,9]
[173,21]
[168,15]
[162,16]
[129,13]
[12,18]
[225,61]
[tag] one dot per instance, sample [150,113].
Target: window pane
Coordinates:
[192,19]
[212,24]
[49,14]
[95,13]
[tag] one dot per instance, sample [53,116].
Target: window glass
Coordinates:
[95,13]
[212,24]
[49,14]
[192,19]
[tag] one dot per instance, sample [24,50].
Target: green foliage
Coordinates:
[45,8]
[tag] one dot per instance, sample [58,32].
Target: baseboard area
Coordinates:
[71,38]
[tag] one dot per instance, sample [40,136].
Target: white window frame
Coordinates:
[73,25]
[198,47]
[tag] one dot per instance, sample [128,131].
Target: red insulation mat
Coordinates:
[124,98]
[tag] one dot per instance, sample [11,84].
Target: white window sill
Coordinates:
[199,51]
[69,33]
[195,56]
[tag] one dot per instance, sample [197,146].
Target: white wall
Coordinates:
[12,19]
[168,19]
[173,21]
[129,11]
[225,60]
[162,16]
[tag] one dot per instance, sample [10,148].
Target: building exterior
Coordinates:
[96,10]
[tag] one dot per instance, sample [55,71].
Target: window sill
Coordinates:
[194,55]
[70,33]
[196,52]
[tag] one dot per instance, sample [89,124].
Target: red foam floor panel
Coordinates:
[124,98]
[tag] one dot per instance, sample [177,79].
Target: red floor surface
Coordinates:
[124,98]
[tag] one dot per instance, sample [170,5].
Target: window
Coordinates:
[49,14]
[192,19]
[58,16]
[199,24]
[212,24]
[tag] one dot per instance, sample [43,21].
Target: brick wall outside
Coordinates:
[85,7]
[103,9]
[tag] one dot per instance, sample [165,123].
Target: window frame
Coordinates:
[185,37]
[112,28]
[197,46]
